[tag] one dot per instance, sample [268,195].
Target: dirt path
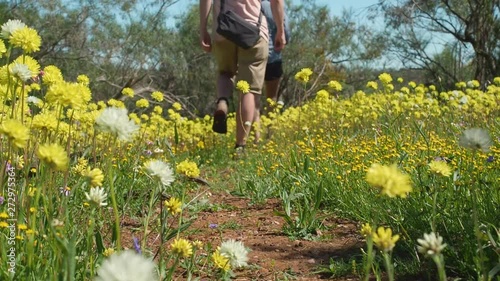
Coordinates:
[273,255]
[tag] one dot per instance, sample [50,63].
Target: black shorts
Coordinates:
[274,71]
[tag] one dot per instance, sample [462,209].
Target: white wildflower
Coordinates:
[125,266]
[97,196]
[160,170]
[21,71]
[33,99]
[10,26]
[475,138]
[235,251]
[431,245]
[116,121]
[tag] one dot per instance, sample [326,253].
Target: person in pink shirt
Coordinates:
[235,63]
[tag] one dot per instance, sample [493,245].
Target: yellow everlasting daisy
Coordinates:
[366,230]
[389,180]
[188,168]
[53,155]
[440,168]
[94,176]
[303,75]
[157,96]
[3,49]
[384,240]
[27,39]
[16,132]
[182,248]
[221,261]
[173,205]
[144,103]
[243,86]
[177,106]
[129,92]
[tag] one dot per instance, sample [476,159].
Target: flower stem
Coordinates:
[388,266]
[369,257]
[148,217]
[439,260]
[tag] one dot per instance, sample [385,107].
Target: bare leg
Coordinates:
[224,92]
[256,119]
[272,88]
[225,85]
[245,114]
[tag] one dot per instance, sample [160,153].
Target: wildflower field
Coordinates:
[417,169]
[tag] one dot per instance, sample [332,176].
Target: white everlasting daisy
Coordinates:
[475,138]
[161,171]
[33,99]
[235,251]
[431,245]
[10,26]
[21,71]
[126,266]
[115,121]
[97,196]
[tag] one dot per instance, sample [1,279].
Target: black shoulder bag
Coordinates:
[236,29]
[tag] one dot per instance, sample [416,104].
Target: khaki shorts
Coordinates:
[248,65]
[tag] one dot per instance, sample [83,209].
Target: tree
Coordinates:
[115,43]
[335,48]
[471,25]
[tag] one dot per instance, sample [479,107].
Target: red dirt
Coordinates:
[272,253]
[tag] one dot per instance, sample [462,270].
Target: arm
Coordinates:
[277,6]
[205,40]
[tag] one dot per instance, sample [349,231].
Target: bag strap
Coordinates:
[223,2]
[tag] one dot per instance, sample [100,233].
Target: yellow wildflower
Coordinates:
[53,155]
[129,92]
[389,180]
[51,75]
[366,230]
[335,86]
[95,176]
[142,103]
[303,75]
[182,248]
[372,84]
[173,205]
[3,49]
[158,110]
[27,39]
[15,132]
[157,96]
[108,252]
[440,168]
[384,240]
[177,106]
[198,244]
[221,261]
[243,86]
[188,168]
[385,78]
[83,79]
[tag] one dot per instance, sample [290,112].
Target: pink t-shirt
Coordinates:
[247,9]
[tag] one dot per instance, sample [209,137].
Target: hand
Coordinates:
[206,41]
[279,41]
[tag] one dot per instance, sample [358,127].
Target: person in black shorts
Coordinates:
[274,67]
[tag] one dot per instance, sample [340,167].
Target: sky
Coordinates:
[336,6]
